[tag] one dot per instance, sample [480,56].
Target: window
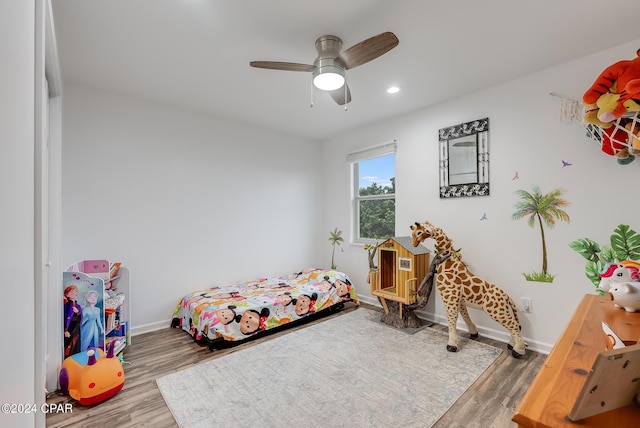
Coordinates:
[404,263]
[374,199]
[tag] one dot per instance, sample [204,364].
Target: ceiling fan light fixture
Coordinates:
[328,77]
[328,72]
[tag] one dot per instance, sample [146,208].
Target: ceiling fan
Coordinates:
[329,67]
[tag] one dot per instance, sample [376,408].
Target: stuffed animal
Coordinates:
[634,132]
[614,142]
[615,92]
[460,288]
[632,104]
[89,377]
[603,105]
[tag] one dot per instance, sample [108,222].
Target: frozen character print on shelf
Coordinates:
[72,321]
[252,321]
[92,328]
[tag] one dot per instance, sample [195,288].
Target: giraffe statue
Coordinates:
[460,288]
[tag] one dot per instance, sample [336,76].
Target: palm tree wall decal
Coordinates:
[335,237]
[546,209]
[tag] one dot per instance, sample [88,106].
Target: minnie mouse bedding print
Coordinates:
[241,310]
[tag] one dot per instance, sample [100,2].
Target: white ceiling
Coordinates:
[195,53]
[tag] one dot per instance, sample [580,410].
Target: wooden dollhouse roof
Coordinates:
[405,242]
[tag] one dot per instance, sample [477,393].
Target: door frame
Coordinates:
[47,206]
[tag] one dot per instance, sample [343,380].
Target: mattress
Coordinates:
[244,309]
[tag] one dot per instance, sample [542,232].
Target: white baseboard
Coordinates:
[369,300]
[491,333]
[147,328]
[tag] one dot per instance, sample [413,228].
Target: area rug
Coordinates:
[405,330]
[348,371]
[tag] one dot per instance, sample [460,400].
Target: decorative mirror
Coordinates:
[464,159]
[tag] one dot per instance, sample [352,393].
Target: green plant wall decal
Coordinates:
[624,244]
[543,210]
[335,237]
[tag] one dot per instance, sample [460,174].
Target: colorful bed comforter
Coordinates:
[241,310]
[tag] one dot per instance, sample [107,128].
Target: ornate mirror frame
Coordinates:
[464,159]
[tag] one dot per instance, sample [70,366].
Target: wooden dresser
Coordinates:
[554,390]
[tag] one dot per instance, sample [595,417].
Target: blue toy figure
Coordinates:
[92,330]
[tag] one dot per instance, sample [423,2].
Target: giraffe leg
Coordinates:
[517,350]
[519,346]
[473,330]
[452,317]
[504,316]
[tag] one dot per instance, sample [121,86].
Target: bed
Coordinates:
[237,312]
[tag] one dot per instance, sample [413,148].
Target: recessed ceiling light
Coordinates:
[393,89]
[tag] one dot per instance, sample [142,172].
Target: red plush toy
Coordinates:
[615,92]
[614,143]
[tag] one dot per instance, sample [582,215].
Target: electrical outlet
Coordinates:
[526,304]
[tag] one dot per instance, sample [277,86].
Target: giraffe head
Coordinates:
[420,232]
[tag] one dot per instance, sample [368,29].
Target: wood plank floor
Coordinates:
[490,401]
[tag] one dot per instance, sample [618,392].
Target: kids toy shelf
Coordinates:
[98,293]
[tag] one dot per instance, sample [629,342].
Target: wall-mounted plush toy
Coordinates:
[89,377]
[633,128]
[615,92]
[614,142]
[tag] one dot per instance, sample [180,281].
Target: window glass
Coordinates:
[374,198]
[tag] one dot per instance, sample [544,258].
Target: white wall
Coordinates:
[188,201]
[525,136]
[184,200]
[17,53]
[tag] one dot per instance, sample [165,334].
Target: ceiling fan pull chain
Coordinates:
[311,92]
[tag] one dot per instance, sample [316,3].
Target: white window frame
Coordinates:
[354,159]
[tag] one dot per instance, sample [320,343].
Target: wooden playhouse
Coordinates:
[401,269]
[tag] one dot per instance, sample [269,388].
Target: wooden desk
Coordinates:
[555,388]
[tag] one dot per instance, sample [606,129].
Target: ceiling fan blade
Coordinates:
[368,50]
[338,95]
[287,66]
